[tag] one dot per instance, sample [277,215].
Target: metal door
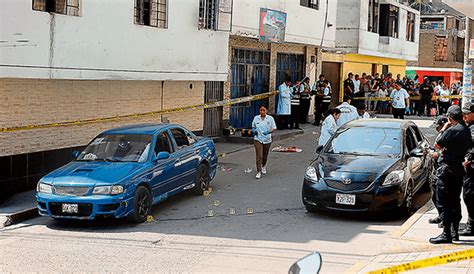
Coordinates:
[332,71]
[250,74]
[213,92]
[289,65]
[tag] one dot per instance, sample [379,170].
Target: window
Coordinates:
[314,4]
[162,144]
[151,13]
[208,14]
[118,148]
[388,22]
[411,27]
[384,69]
[180,138]
[370,141]
[410,141]
[373,23]
[419,137]
[67,7]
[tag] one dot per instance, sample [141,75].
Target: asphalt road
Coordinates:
[244,225]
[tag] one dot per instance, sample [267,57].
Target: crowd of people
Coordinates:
[419,93]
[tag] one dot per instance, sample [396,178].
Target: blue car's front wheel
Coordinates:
[141,205]
[202,180]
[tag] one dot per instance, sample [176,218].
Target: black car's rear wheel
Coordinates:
[202,181]
[141,205]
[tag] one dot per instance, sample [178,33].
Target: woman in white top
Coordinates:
[444,103]
[329,127]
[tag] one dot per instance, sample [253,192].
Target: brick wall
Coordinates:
[434,49]
[34,101]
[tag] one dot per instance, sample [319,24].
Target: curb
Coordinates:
[16,217]
[398,233]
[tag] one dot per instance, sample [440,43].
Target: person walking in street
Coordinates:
[284,103]
[305,103]
[348,112]
[468,184]
[400,101]
[262,127]
[295,107]
[454,143]
[349,85]
[330,126]
[426,92]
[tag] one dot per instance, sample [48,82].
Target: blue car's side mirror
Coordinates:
[75,154]
[162,155]
[319,149]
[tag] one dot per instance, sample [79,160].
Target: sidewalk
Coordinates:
[410,243]
[22,206]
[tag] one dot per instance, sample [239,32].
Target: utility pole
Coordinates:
[467,70]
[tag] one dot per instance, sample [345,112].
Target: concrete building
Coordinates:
[441,43]
[269,40]
[69,60]
[376,36]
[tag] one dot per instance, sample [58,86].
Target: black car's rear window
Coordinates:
[365,141]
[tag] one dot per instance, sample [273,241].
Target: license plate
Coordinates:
[345,199]
[70,208]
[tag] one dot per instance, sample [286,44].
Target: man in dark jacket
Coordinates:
[454,143]
[426,92]
[468,184]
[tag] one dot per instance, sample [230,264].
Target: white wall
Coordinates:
[352,34]
[104,43]
[303,25]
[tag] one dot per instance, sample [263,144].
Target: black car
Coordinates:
[369,165]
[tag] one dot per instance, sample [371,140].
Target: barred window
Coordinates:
[67,7]
[314,4]
[208,14]
[151,13]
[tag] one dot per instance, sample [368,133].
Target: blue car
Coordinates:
[124,171]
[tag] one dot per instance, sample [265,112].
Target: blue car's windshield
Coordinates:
[365,141]
[118,148]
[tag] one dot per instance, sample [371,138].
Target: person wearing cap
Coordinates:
[468,184]
[454,142]
[348,111]
[438,124]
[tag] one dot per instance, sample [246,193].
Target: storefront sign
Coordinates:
[272,26]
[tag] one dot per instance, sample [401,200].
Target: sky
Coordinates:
[464,6]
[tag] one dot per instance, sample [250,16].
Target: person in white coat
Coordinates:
[348,111]
[329,126]
[361,111]
[284,103]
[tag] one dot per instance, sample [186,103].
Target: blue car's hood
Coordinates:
[93,173]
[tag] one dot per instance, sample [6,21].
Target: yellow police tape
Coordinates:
[443,259]
[140,115]
[415,98]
